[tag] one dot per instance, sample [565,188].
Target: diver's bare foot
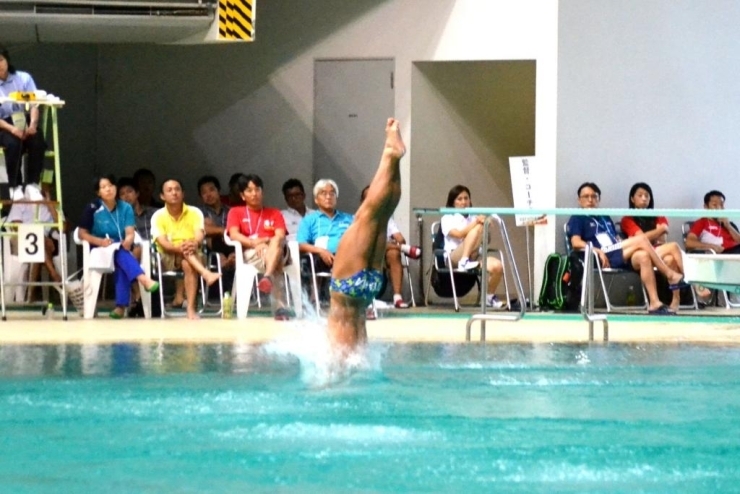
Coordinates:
[193,314]
[393,142]
[211,278]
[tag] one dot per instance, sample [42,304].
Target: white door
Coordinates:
[352,100]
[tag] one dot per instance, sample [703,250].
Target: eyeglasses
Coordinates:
[327,193]
[590,197]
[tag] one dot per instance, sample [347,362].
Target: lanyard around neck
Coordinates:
[601,221]
[249,220]
[115,219]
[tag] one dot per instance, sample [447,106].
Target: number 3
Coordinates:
[32,244]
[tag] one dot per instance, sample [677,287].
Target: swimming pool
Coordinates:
[411,417]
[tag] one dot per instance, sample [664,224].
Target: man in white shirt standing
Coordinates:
[295,198]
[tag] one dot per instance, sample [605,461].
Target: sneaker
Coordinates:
[283,314]
[33,193]
[265,285]
[466,265]
[17,194]
[400,304]
[412,251]
[493,302]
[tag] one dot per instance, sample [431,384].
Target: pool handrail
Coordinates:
[484,316]
[587,293]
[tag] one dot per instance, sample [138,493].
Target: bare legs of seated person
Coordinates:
[192,267]
[643,257]
[395,273]
[469,251]
[356,274]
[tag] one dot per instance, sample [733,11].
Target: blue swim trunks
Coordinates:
[364,284]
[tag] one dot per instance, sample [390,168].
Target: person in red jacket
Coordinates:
[655,228]
[261,231]
[717,234]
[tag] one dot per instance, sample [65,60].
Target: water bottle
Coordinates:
[631,296]
[50,311]
[228,306]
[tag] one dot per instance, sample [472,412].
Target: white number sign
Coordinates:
[31,243]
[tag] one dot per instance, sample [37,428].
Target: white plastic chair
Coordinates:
[91,278]
[246,277]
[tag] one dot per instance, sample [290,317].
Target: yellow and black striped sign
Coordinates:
[236,19]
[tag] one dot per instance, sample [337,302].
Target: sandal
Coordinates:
[678,286]
[400,304]
[115,315]
[663,310]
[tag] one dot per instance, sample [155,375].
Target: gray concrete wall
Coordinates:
[647,91]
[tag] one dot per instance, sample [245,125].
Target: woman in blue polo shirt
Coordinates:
[109,220]
[615,252]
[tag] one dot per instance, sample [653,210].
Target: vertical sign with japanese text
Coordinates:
[524,187]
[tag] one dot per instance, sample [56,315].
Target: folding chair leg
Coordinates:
[454,290]
[405,264]
[163,312]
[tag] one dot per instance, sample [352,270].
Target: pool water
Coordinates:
[407,418]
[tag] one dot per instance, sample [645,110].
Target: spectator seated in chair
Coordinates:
[107,221]
[656,231]
[463,239]
[717,234]
[215,214]
[128,192]
[234,198]
[295,198]
[320,231]
[178,231]
[261,231]
[146,184]
[636,252]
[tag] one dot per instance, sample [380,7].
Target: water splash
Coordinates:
[322,365]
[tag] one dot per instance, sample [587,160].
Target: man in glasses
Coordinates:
[636,252]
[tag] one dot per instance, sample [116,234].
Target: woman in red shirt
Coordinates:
[655,228]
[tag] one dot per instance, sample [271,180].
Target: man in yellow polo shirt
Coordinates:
[178,231]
